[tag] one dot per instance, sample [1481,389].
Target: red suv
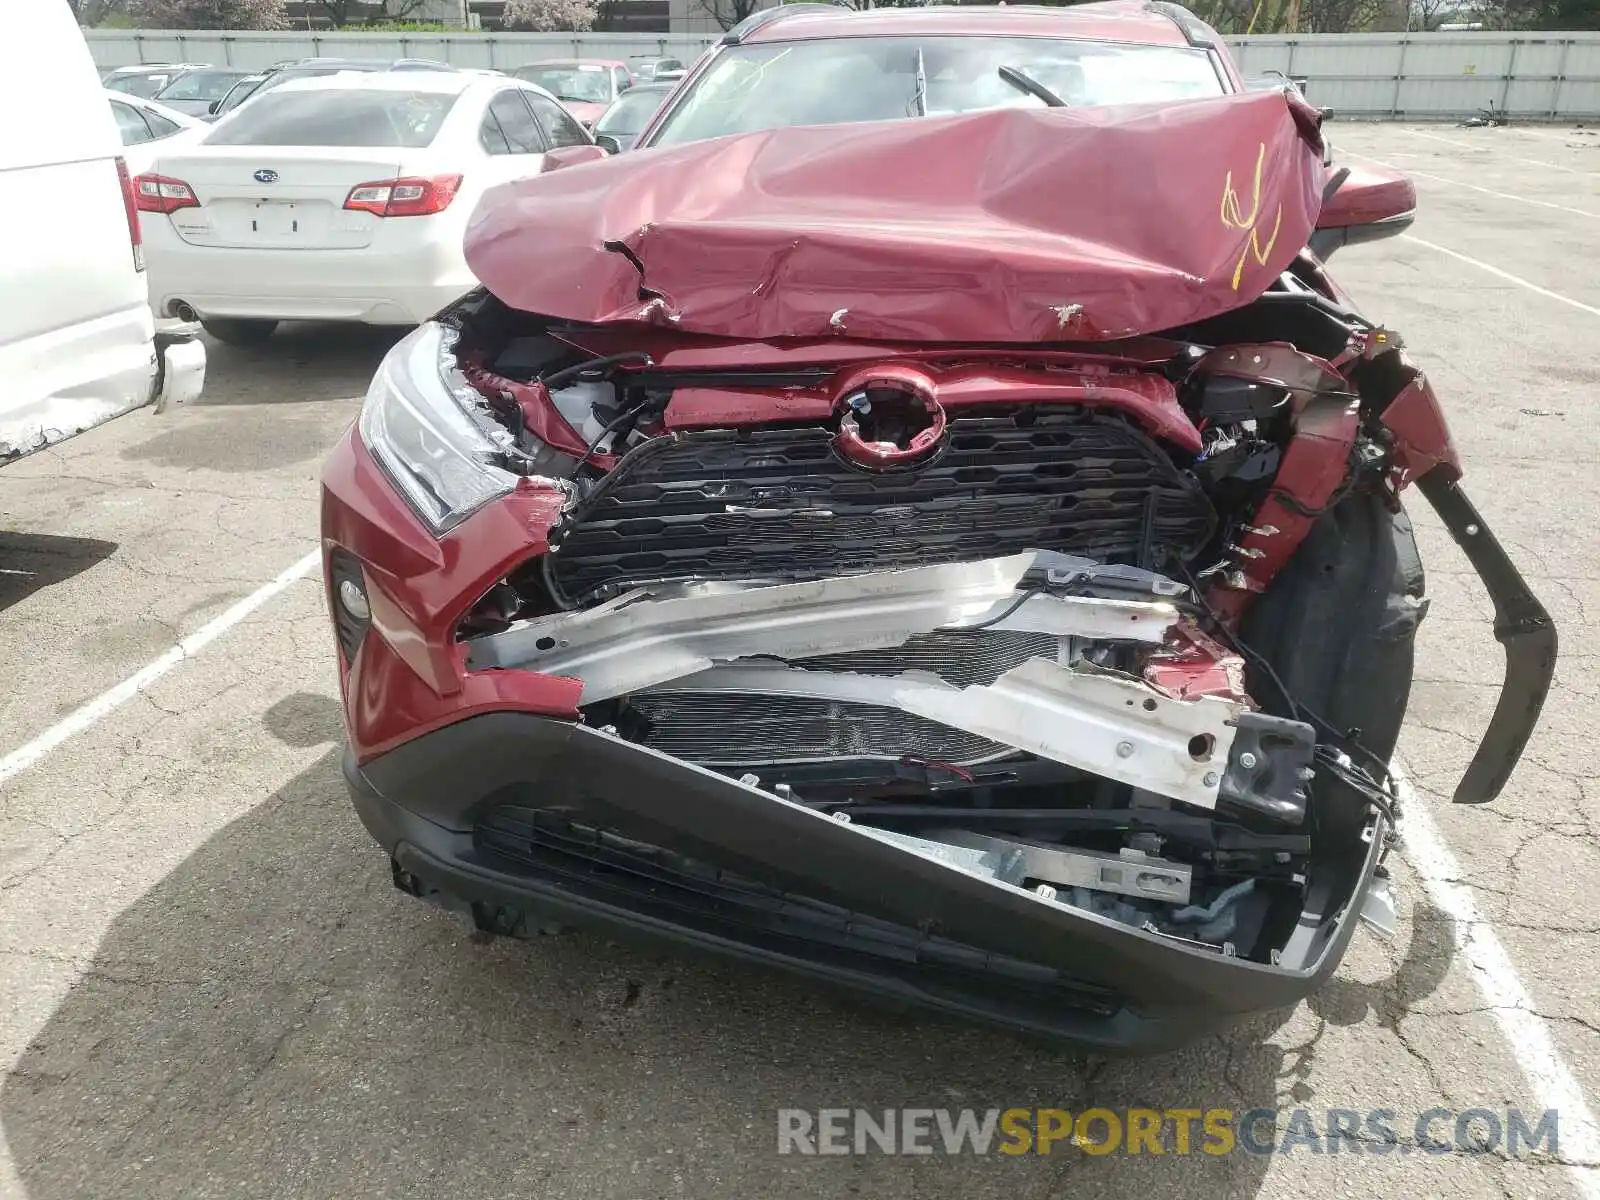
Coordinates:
[931,523]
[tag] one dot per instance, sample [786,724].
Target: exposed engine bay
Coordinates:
[985,605]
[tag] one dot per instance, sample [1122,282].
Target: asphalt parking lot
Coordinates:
[208,986]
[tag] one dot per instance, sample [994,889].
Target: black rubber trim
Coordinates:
[1194,30]
[1521,625]
[765,16]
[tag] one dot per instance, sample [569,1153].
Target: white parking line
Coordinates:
[85,717]
[1538,162]
[1581,212]
[1576,138]
[1506,275]
[1553,1084]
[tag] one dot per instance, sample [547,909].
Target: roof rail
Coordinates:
[765,16]
[1195,31]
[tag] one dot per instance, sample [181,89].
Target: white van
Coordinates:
[78,343]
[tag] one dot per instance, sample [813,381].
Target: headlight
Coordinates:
[415,424]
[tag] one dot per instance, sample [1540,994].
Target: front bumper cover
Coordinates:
[706,860]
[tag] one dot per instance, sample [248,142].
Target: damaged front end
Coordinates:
[1051,683]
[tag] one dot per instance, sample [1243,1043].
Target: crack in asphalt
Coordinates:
[64,839]
[1592,1026]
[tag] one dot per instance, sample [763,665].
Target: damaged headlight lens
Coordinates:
[440,460]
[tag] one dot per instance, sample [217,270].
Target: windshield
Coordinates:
[143,86]
[201,85]
[336,118]
[583,82]
[631,113]
[838,80]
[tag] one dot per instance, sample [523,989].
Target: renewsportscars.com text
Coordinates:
[1213,1131]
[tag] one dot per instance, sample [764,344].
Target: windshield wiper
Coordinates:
[919,101]
[1024,82]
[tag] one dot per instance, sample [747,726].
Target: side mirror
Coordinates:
[608,143]
[1366,206]
[213,106]
[570,156]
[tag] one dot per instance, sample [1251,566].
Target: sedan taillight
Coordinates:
[409,197]
[158,194]
[130,205]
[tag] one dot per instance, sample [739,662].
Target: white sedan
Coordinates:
[148,129]
[341,198]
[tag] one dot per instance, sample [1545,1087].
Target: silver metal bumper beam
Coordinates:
[638,641]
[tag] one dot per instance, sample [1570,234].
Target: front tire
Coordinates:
[236,331]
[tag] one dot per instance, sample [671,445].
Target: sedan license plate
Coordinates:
[274,218]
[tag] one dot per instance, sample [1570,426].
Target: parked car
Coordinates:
[194,92]
[146,79]
[235,96]
[619,126]
[929,523]
[586,86]
[646,69]
[78,345]
[314,68]
[342,198]
[148,128]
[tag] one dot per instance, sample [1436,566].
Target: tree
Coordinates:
[93,12]
[209,14]
[1288,16]
[366,12]
[1337,16]
[1424,16]
[550,16]
[729,13]
[1538,14]
[1574,14]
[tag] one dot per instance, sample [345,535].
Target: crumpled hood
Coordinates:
[1019,225]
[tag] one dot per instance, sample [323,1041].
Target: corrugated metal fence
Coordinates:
[119,47]
[1413,76]
[1422,75]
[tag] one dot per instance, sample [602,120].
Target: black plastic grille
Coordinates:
[696,895]
[724,729]
[780,503]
